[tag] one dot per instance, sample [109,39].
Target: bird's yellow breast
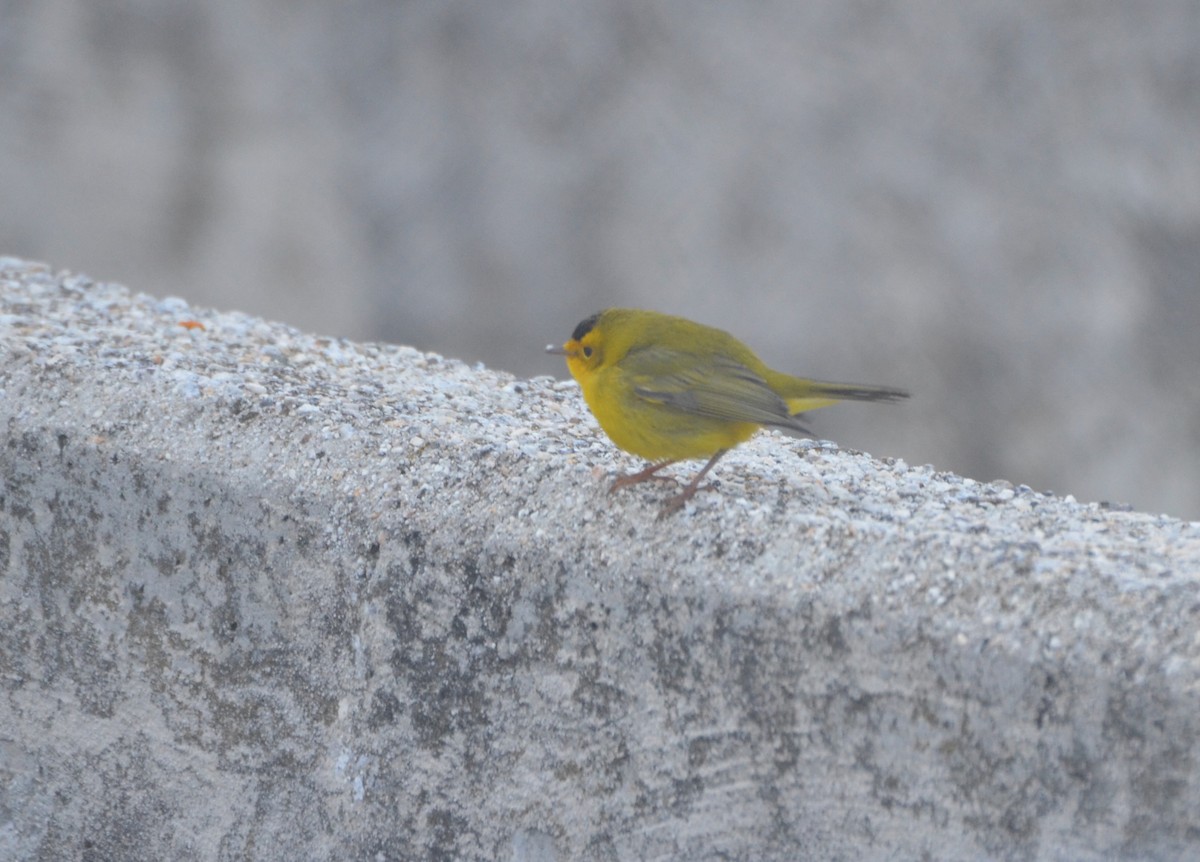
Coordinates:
[650,430]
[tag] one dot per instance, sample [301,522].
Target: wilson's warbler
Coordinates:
[668,389]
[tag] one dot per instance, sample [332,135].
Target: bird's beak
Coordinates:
[558,351]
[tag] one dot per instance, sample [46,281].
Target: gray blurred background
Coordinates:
[995,204]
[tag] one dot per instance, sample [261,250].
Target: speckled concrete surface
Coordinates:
[268,595]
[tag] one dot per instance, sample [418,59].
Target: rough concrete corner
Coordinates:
[267,595]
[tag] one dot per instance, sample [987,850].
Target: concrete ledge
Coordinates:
[272,596]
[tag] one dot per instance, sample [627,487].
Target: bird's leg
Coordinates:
[676,503]
[640,476]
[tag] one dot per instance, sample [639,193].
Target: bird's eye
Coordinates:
[587,351]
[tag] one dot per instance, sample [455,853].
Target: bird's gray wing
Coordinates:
[713,387]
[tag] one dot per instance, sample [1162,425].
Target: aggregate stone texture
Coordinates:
[268,595]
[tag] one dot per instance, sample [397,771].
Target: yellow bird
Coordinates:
[668,389]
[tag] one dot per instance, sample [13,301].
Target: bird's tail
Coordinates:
[802,395]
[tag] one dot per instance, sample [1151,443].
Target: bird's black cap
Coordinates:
[585,326]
